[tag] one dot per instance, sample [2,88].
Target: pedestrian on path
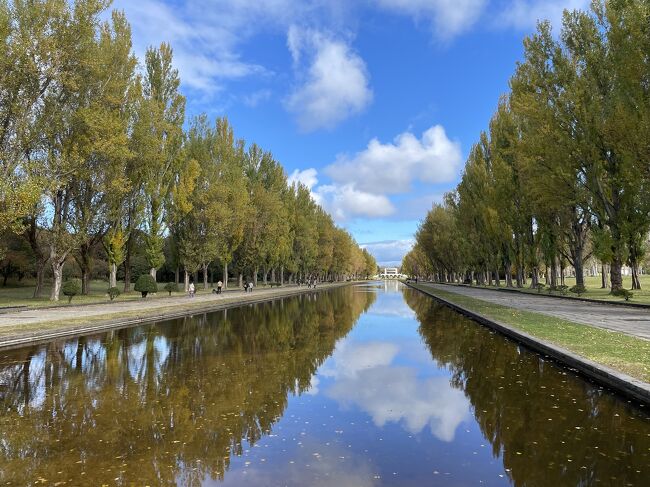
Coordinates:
[191,290]
[219,286]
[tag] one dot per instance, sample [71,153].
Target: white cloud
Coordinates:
[389,252]
[346,201]
[448,17]
[362,372]
[524,14]
[391,168]
[257,97]
[334,87]
[361,184]
[307,177]
[203,39]
[351,358]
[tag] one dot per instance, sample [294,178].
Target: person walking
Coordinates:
[219,286]
[191,290]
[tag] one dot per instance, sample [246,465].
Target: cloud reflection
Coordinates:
[366,379]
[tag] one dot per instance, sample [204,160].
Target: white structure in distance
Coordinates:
[391,273]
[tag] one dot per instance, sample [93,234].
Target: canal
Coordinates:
[365,385]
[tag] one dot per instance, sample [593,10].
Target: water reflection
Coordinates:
[168,403]
[549,426]
[361,386]
[362,372]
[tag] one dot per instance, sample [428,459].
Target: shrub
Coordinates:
[563,289]
[623,293]
[579,290]
[71,288]
[274,284]
[171,287]
[145,285]
[539,287]
[113,292]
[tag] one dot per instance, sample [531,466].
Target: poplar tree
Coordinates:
[160,139]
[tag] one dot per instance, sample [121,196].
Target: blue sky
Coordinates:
[374,104]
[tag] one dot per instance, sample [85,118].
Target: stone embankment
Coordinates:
[621,383]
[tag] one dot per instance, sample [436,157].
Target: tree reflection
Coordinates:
[550,426]
[164,403]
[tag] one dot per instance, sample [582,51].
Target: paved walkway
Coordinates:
[36,315]
[632,321]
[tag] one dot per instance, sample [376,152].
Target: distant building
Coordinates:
[391,273]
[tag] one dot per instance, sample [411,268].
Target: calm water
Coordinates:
[362,386]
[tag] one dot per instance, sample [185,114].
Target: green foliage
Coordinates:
[71,288]
[113,292]
[623,293]
[171,287]
[145,285]
[560,174]
[540,287]
[579,290]
[563,289]
[98,152]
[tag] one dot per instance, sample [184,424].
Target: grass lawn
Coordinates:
[20,294]
[616,350]
[592,284]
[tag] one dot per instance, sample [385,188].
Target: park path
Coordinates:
[628,320]
[46,315]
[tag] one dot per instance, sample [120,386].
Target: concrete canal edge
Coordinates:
[617,381]
[38,337]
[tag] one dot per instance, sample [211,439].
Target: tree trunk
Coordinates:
[255,277]
[579,269]
[85,261]
[85,278]
[497,278]
[205,277]
[40,275]
[604,277]
[127,268]
[535,278]
[112,279]
[57,279]
[241,280]
[152,273]
[273,275]
[177,275]
[616,276]
[225,275]
[508,271]
[41,259]
[186,280]
[281,275]
[519,277]
[265,274]
[553,274]
[636,283]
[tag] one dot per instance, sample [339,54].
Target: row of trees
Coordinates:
[563,172]
[94,153]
